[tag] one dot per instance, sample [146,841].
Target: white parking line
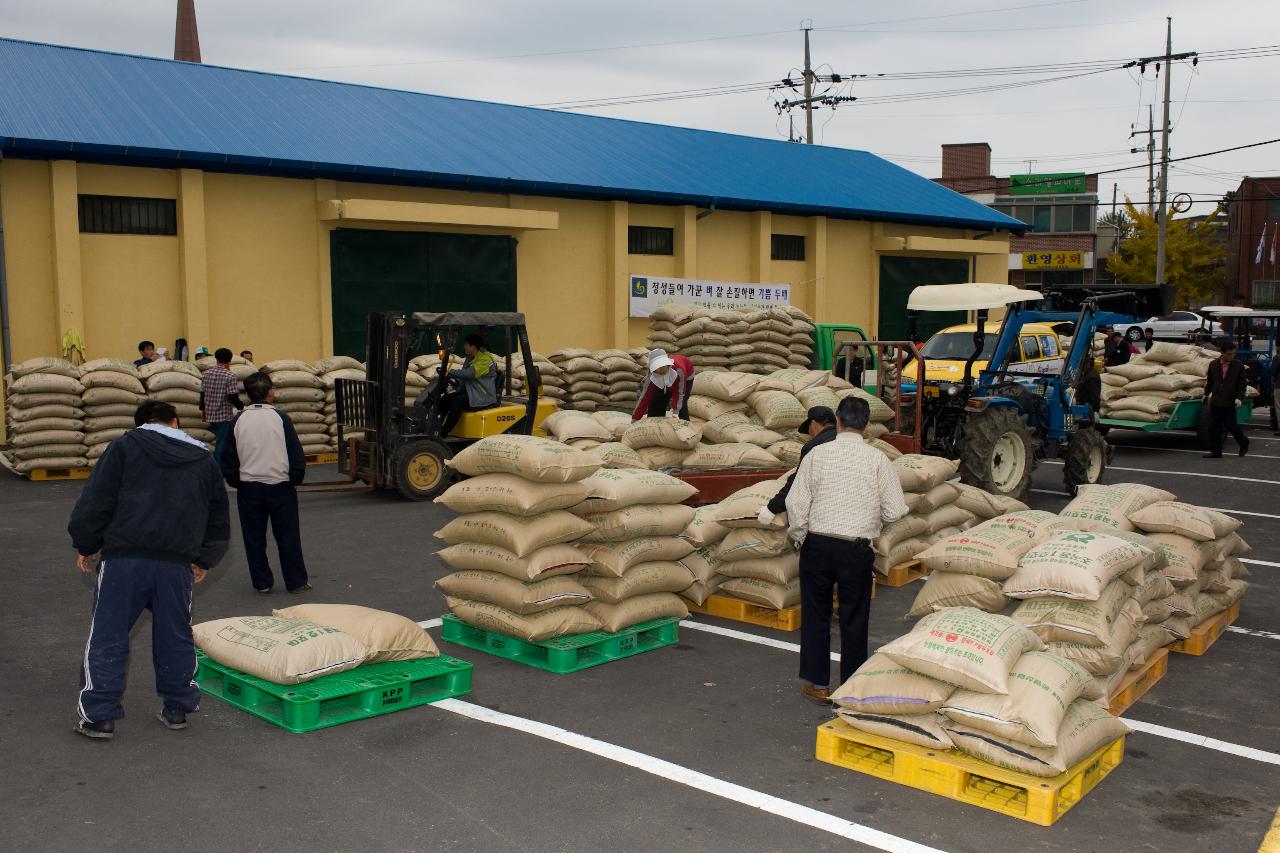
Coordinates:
[692,778]
[1267,563]
[431,623]
[1253,632]
[1180,473]
[1214,508]
[1181,450]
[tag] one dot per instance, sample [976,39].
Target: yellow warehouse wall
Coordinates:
[131,293]
[27,209]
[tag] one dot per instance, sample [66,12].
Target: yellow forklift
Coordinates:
[389,443]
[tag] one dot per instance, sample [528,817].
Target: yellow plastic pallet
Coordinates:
[957,776]
[1207,632]
[47,474]
[903,574]
[1136,684]
[322,458]
[727,607]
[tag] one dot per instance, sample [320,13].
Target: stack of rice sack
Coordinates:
[984,684]
[934,512]
[635,547]
[178,384]
[300,394]
[622,376]
[240,367]
[758,341]
[1149,386]
[45,418]
[585,379]
[699,334]
[662,442]
[552,377]
[516,571]
[759,561]
[599,432]
[329,369]
[704,535]
[112,393]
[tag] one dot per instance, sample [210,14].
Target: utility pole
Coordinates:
[808,89]
[811,101]
[1150,133]
[1115,188]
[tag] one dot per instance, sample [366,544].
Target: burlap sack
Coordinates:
[704,529]
[811,397]
[523,597]
[1218,575]
[387,636]
[779,410]
[568,425]
[741,508]
[46,383]
[615,422]
[35,413]
[919,473]
[880,411]
[950,589]
[1102,508]
[47,424]
[1185,558]
[1151,638]
[1104,660]
[633,522]
[556,622]
[279,650]
[984,504]
[334,363]
[46,365]
[921,729]
[634,611]
[948,517]
[991,549]
[787,452]
[703,564]
[53,451]
[1232,545]
[907,527]
[1086,727]
[49,436]
[528,456]
[762,592]
[174,379]
[32,401]
[1193,522]
[640,579]
[891,453]
[543,563]
[615,454]
[1137,369]
[941,495]
[609,490]
[727,386]
[1075,565]
[699,591]
[614,560]
[510,494]
[521,536]
[882,686]
[1086,623]
[750,543]
[661,432]
[112,379]
[780,570]
[717,456]
[709,408]
[657,458]
[1041,688]
[793,380]
[965,647]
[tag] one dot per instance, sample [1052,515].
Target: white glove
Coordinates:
[764,516]
[1239,403]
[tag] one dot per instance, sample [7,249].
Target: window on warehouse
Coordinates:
[110,214]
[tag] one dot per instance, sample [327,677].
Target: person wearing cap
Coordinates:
[667,387]
[820,426]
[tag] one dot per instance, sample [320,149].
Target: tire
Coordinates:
[418,471]
[997,452]
[1133,334]
[1085,460]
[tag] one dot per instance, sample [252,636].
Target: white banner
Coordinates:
[651,292]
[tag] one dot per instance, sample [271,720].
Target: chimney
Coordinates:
[186,40]
[966,160]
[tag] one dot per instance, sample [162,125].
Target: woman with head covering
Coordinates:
[667,387]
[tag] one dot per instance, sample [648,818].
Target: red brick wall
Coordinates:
[1051,243]
[966,160]
[1245,219]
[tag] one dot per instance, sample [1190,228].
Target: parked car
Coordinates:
[1172,327]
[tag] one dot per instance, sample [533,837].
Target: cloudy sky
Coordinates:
[627,60]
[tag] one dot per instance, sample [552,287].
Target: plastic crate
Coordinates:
[903,574]
[563,655]
[728,607]
[1136,684]
[1207,632]
[963,778]
[366,691]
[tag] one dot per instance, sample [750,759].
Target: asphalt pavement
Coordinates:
[703,746]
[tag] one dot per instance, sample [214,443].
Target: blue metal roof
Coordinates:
[58,101]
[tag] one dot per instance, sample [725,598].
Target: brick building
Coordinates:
[1060,245]
[1254,205]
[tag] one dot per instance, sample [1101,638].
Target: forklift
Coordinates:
[390,443]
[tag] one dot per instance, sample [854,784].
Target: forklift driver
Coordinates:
[476,384]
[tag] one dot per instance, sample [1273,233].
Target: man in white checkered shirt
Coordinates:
[842,494]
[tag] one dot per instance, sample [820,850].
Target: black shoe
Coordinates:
[306,587]
[266,591]
[1244,448]
[174,719]
[1212,456]
[104,730]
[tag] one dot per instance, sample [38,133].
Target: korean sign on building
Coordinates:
[1053,260]
[1047,184]
[651,292]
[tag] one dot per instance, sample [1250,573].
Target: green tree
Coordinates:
[1193,262]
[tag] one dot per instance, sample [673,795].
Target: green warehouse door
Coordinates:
[898,277]
[415,271]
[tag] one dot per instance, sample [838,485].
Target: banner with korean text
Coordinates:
[651,292]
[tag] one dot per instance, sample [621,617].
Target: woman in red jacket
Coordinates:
[666,388]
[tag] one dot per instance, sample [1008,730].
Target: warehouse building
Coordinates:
[148,198]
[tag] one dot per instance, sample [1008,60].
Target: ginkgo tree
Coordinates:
[1193,262]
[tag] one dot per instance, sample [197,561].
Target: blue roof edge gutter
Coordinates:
[40,149]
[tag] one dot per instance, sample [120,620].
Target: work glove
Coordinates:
[764,516]
[1239,403]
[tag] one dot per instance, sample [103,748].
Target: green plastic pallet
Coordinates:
[565,654]
[330,700]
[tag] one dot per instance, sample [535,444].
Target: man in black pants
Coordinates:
[821,428]
[842,494]
[265,463]
[155,510]
[1224,392]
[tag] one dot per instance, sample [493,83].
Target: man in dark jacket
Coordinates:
[821,428]
[265,463]
[1224,392]
[155,509]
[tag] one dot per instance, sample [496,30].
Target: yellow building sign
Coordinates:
[1053,260]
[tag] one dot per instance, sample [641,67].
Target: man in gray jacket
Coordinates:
[265,463]
[478,381]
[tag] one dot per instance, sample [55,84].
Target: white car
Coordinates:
[1172,327]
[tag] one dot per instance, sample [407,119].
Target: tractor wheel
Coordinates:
[997,452]
[1085,459]
[418,470]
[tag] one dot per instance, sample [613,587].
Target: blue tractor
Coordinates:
[1000,422]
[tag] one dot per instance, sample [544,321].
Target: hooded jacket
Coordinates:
[156,497]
